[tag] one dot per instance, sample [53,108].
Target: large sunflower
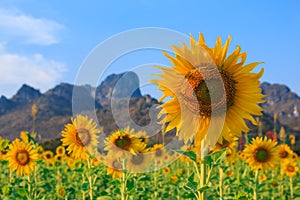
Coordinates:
[201,85]
[262,154]
[80,136]
[22,157]
[123,142]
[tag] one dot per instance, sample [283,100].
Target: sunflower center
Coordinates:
[261,155]
[158,153]
[290,168]
[202,91]
[123,143]
[283,154]
[137,159]
[22,157]
[62,192]
[48,156]
[82,136]
[116,165]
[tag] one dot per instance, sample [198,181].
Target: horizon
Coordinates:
[143,92]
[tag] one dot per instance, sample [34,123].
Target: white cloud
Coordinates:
[33,30]
[35,70]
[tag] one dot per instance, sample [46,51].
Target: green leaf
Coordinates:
[190,154]
[22,192]
[205,187]
[130,185]
[85,186]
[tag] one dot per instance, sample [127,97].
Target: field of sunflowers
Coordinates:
[127,166]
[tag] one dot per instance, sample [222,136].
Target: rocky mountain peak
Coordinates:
[118,86]
[26,93]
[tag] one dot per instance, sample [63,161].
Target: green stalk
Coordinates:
[221,183]
[203,179]
[90,178]
[29,188]
[291,188]
[256,186]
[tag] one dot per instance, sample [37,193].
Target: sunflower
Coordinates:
[158,152]
[60,150]
[80,136]
[59,158]
[143,136]
[290,168]
[262,178]
[262,154]
[139,162]
[174,178]
[230,173]
[48,156]
[205,88]
[123,142]
[285,152]
[115,167]
[61,192]
[166,170]
[22,157]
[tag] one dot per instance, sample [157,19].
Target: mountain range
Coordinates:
[55,107]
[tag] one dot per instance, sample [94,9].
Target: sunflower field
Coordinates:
[208,163]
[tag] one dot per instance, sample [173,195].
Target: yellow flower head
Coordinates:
[80,137]
[48,156]
[22,157]
[209,92]
[114,166]
[262,154]
[139,162]
[61,192]
[60,150]
[174,178]
[290,168]
[124,142]
[285,152]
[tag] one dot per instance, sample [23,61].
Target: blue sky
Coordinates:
[43,43]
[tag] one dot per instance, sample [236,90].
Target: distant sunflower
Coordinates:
[139,162]
[80,136]
[48,156]
[115,167]
[285,152]
[123,142]
[61,192]
[22,157]
[166,170]
[59,158]
[262,154]
[158,152]
[195,90]
[143,136]
[290,168]
[60,150]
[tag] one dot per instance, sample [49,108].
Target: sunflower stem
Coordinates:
[221,183]
[90,179]
[291,188]
[203,179]
[123,183]
[256,185]
[29,188]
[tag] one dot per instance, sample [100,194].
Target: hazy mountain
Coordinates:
[113,109]
[55,106]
